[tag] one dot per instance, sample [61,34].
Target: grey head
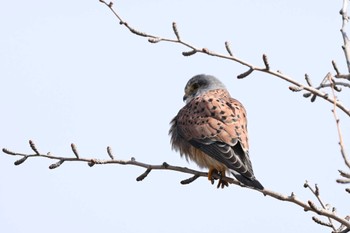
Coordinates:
[200,84]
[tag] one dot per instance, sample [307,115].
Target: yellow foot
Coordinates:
[210,174]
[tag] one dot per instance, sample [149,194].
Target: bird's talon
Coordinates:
[222,183]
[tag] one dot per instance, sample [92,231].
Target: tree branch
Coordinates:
[165,166]
[316,192]
[193,50]
[345,19]
[337,121]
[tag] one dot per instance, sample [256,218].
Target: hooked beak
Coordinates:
[185,98]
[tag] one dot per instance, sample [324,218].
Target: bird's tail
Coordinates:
[254,183]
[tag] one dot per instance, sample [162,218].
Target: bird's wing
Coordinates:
[216,124]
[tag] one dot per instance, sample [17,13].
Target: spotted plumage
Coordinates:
[211,130]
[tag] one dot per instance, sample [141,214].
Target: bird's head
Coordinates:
[200,84]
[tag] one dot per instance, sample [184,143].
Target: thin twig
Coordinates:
[340,136]
[335,67]
[343,76]
[345,19]
[319,221]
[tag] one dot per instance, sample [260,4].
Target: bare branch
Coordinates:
[193,50]
[343,76]
[340,136]
[335,83]
[316,192]
[318,221]
[195,174]
[346,46]
[335,67]
[342,228]
[344,174]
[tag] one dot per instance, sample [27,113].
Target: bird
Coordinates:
[211,130]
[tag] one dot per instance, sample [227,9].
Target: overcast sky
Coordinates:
[71,74]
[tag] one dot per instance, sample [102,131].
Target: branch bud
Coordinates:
[91,163]
[344,174]
[176,32]
[307,95]
[312,206]
[205,50]
[245,74]
[189,53]
[56,165]
[313,98]
[317,190]
[6,151]
[109,152]
[306,184]
[295,88]
[20,161]
[32,145]
[189,180]
[144,175]
[308,80]
[75,151]
[228,49]
[154,40]
[266,62]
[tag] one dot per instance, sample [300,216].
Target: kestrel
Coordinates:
[211,130]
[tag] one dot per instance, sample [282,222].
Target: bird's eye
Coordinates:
[195,86]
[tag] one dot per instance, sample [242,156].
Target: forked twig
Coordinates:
[316,192]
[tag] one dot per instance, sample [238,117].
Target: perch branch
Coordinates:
[165,166]
[193,50]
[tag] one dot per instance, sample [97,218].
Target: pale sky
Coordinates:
[71,74]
